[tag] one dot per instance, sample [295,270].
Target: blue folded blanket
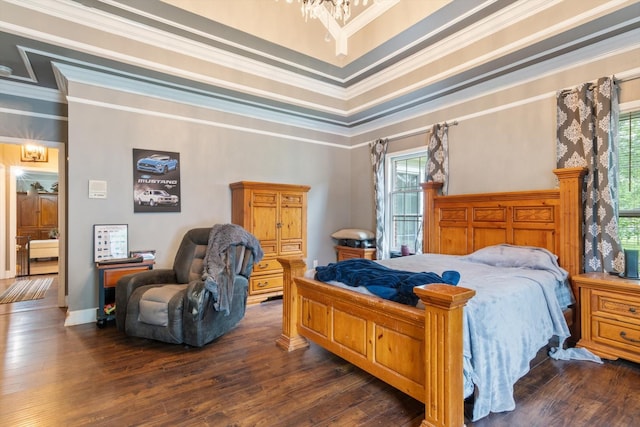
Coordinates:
[394,285]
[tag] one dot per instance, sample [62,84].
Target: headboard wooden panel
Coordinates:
[551,219]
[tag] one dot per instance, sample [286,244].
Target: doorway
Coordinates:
[16,180]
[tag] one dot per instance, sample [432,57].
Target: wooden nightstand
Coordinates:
[346,252]
[610,315]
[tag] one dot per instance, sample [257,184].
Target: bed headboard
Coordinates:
[461,224]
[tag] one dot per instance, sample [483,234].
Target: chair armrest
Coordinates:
[242,258]
[196,299]
[129,283]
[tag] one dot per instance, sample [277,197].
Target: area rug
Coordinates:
[25,290]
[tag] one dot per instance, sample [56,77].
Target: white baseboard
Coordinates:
[79,317]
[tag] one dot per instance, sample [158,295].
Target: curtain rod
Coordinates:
[592,85]
[421,131]
[566,91]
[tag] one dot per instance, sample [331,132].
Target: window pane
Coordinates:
[629,232]
[629,160]
[405,201]
[629,180]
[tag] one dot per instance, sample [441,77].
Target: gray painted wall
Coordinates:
[101,139]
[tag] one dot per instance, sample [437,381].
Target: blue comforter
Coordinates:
[394,285]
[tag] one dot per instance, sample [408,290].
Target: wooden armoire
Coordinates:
[37,215]
[276,214]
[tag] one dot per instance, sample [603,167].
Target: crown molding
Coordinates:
[76,74]
[216,55]
[82,15]
[410,100]
[461,39]
[350,127]
[14,111]
[579,58]
[21,90]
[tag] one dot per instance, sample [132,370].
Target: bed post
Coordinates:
[290,339]
[571,241]
[431,189]
[443,343]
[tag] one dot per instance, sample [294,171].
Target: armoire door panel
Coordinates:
[265,222]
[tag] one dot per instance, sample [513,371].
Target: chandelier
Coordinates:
[340,10]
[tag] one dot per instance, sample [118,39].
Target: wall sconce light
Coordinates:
[34,153]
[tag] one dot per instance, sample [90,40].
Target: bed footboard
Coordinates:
[417,351]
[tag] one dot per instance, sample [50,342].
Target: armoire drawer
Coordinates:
[267,266]
[265,283]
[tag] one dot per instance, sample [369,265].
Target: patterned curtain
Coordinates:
[438,156]
[587,132]
[378,152]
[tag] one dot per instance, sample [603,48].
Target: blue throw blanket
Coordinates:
[394,285]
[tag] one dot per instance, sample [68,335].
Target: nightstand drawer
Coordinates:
[611,303]
[348,255]
[346,252]
[616,334]
[266,283]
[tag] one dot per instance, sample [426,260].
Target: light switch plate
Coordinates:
[97,189]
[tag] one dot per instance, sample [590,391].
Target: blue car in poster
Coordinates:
[157,163]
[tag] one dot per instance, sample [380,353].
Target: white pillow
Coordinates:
[505,255]
[353,234]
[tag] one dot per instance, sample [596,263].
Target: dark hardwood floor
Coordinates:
[84,376]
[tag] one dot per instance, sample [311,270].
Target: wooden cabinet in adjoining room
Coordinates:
[277,215]
[37,215]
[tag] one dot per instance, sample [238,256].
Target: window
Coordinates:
[404,204]
[629,180]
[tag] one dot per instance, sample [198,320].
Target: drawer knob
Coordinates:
[623,334]
[263,265]
[263,284]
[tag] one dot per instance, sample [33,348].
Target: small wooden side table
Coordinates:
[609,315]
[108,275]
[347,252]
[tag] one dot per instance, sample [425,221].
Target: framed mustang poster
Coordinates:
[156,181]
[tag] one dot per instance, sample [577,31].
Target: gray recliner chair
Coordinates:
[174,305]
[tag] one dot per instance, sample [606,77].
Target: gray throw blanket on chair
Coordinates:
[219,274]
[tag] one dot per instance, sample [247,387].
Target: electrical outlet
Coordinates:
[315,263]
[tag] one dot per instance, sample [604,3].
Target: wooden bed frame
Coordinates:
[420,351]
